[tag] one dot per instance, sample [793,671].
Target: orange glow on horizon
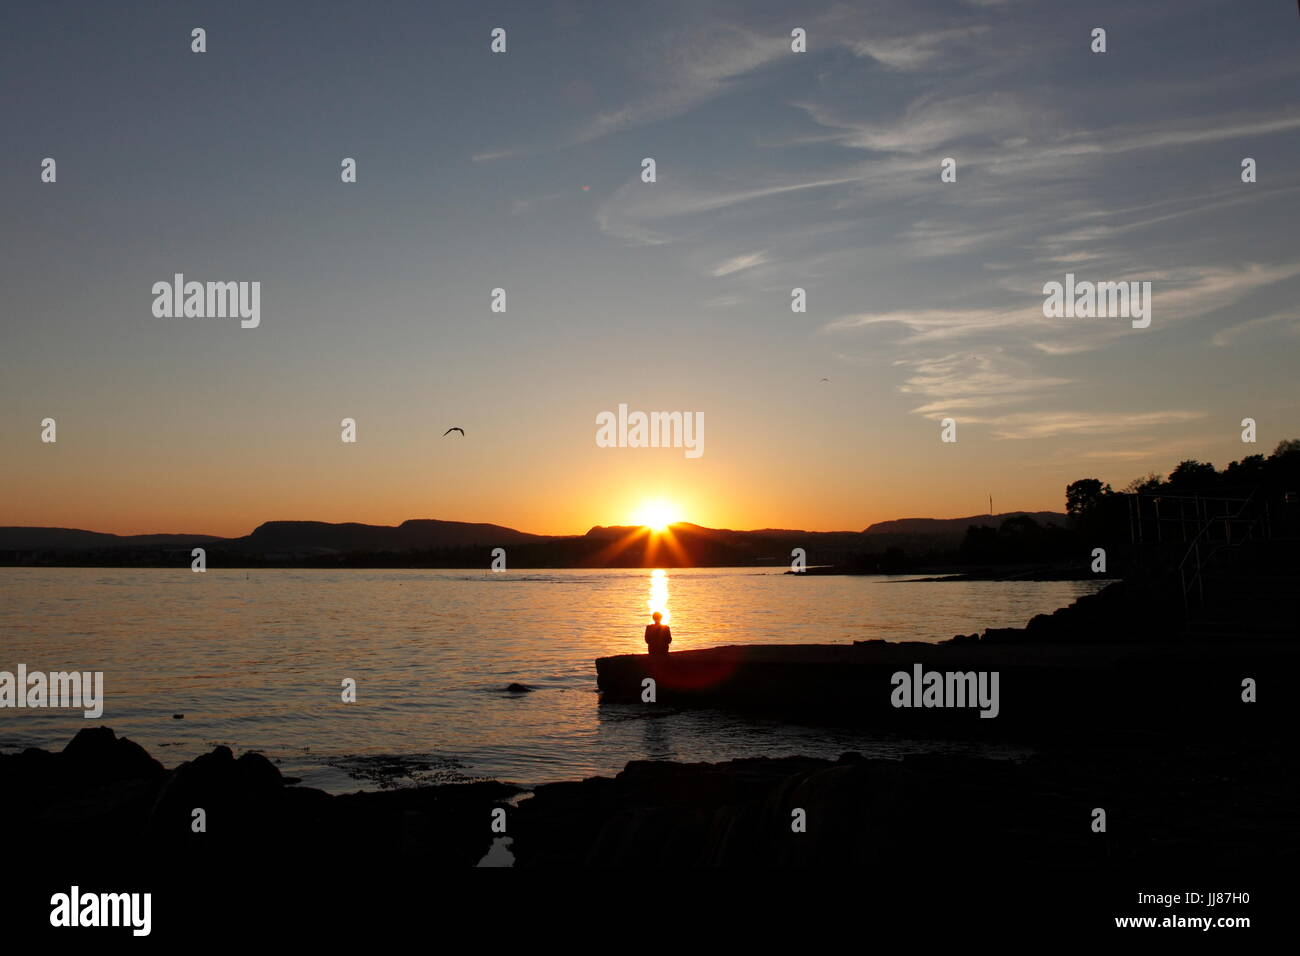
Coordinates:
[211,493]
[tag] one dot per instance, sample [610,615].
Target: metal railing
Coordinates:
[1150,515]
[1203,547]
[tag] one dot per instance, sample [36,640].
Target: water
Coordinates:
[255,660]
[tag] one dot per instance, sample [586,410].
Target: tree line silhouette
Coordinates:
[1126,523]
[1194,493]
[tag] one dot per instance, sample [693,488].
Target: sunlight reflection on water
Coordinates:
[659,595]
[254,660]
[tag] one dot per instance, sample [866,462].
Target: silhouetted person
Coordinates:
[658,636]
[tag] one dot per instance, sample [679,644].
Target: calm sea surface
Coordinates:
[254,660]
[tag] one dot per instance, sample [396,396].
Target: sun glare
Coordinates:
[657,515]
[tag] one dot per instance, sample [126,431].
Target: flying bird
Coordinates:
[826,380]
[453,428]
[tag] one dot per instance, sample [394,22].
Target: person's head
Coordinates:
[657,616]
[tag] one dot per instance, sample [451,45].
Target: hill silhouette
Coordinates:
[958,526]
[416,534]
[74,539]
[428,542]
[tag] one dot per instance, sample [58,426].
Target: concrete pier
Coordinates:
[1046,687]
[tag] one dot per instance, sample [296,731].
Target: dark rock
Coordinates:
[105,799]
[1025,816]
[99,754]
[241,798]
[1219,801]
[1004,635]
[518,689]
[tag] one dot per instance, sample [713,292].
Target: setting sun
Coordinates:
[657,515]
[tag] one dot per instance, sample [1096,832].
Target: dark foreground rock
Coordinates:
[1167,807]
[104,798]
[102,809]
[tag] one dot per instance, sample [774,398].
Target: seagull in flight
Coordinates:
[826,380]
[453,428]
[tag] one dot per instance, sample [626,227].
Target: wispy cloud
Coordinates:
[915,51]
[1197,290]
[691,64]
[962,381]
[1177,294]
[738,264]
[930,122]
[638,211]
[936,324]
[1047,424]
[488,157]
[1287,319]
[1159,453]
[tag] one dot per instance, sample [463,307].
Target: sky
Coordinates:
[522,170]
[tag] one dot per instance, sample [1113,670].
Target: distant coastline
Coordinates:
[930,544]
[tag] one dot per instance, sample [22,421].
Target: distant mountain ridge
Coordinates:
[17,538]
[959,525]
[415,534]
[435,543]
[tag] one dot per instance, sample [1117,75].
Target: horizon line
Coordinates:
[578,534]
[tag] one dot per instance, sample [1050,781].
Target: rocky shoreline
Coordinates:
[1216,799]
[1157,733]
